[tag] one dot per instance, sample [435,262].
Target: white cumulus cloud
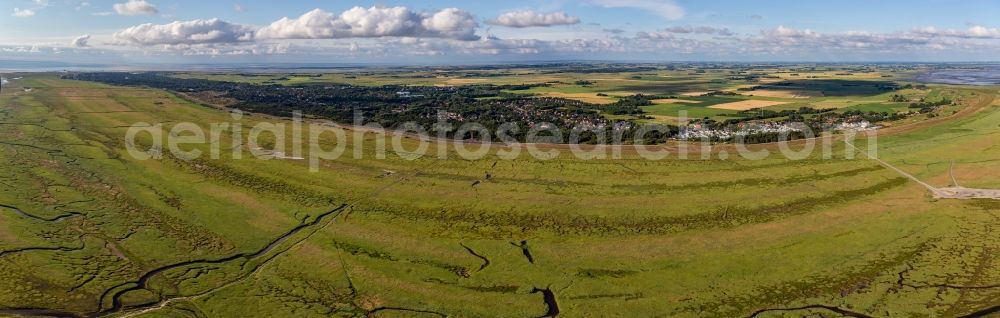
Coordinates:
[135,7]
[977,31]
[654,35]
[699,30]
[23,13]
[81,41]
[359,22]
[185,32]
[785,32]
[528,18]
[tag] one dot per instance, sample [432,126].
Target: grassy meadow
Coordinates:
[89,230]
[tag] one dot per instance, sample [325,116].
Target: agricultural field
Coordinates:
[697,89]
[89,230]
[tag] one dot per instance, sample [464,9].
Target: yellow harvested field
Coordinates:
[747,104]
[617,80]
[783,93]
[583,97]
[674,101]
[461,81]
[695,93]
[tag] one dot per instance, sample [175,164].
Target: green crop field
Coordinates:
[86,229]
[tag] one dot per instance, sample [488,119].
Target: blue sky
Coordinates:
[180,31]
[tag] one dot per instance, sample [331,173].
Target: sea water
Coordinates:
[985,75]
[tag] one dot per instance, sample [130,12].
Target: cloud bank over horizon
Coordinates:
[380,33]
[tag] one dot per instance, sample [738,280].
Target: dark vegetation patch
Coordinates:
[598,273]
[358,250]
[623,296]
[675,88]
[310,296]
[835,87]
[985,204]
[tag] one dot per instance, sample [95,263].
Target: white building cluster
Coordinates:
[697,132]
[856,126]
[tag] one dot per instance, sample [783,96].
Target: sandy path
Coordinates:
[956,192]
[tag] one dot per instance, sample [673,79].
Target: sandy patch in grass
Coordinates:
[747,104]
[675,101]
[783,93]
[583,97]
